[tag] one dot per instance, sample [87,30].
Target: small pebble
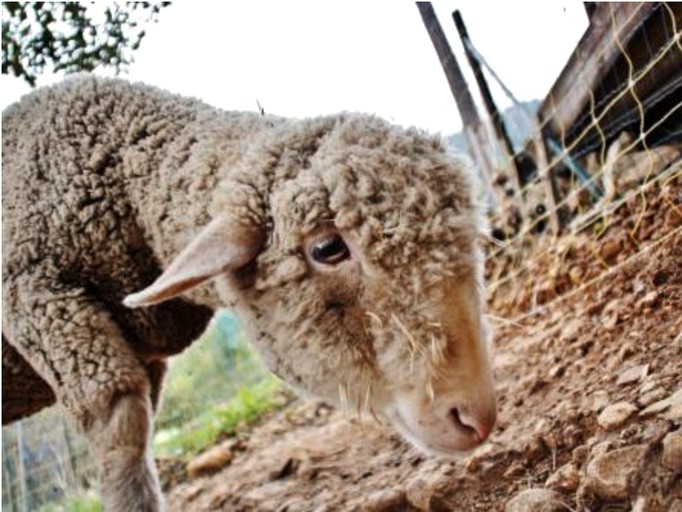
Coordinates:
[639,505]
[418,493]
[566,478]
[672,404]
[600,399]
[382,501]
[647,398]
[516,469]
[648,385]
[615,415]
[672,451]
[608,475]
[536,500]
[610,249]
[633,374]
[650,298]
[212,460]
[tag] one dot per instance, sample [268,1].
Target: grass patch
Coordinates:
[216,385]
[248,404]
[87,502]
[209,372]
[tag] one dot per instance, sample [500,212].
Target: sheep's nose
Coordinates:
[478,424]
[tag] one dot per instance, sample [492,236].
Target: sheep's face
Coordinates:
[360,280]
[369,290]
[417,344]
[405,343]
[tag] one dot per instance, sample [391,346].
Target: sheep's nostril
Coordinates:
[470,424]
[457,420]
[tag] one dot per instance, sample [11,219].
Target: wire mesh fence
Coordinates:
[44,461]
[611,133]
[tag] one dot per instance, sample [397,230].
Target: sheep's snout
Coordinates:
[447,404]
[444,425]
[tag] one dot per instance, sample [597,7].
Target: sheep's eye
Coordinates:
[330,251]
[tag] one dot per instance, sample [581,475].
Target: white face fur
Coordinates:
[440,397]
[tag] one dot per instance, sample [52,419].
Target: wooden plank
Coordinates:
[593,57]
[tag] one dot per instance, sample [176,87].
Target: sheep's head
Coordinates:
[352,260]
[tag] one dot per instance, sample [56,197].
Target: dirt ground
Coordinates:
[589,387]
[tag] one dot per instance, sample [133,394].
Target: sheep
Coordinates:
[347,247]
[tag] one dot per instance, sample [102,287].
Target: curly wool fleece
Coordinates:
[105,182]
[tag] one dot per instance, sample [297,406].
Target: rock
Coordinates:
[575,273]
[534,448]
[610,249]
[536,500]
[570,331]
[633,374]
[610,321]
[381,501]
[647,398]
[672,406]
[672,451]
[600,447]
[609,474]
[210,461]
[556,371]
[600,399]
[418,493]
[649,384]
[566,478]
[430,492]
[615,415]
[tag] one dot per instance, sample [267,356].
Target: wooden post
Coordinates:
[460,91]
[495,116]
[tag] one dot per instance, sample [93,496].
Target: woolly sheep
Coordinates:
[347,246]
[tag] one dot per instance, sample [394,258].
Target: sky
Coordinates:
[308,58]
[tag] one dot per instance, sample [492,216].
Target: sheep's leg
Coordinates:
[74,345]
[120,444]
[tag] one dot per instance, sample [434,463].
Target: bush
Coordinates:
[211,371]
[248,405]
[217,384]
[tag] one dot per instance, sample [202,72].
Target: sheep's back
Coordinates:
[83,197]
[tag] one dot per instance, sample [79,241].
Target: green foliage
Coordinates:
[218,383]
[70,37]
[249,404]
[211,371]
[80,503]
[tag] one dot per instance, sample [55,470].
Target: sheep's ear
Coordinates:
[220,247]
